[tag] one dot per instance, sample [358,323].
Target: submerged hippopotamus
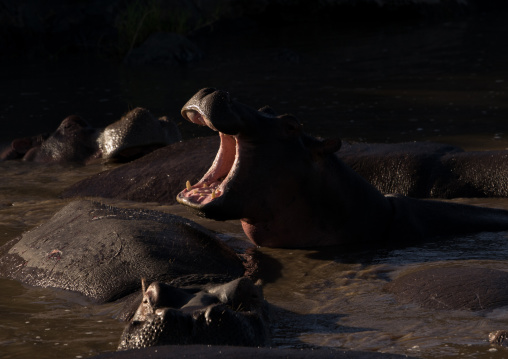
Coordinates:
[18,147]
[199,292]
[229,314]
[75,140]
[416,169]
[290,189]
[85,243]
[429,170]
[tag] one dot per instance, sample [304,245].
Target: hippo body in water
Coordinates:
[85,243]
[199,294]
[415,169]
[303,195]
[135,134]
[429,170]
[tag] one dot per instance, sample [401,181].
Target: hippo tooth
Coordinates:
[205,185]
[213,194]
[188,185]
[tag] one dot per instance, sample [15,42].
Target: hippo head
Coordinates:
[269,174]
[228,314]
[73,141]
[19,147]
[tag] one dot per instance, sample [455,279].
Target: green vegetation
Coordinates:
[141,18]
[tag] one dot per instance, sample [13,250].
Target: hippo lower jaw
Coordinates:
[212,188]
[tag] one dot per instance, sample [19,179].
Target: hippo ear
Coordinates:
[291,125]
[328,146]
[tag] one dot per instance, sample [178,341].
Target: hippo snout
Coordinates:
[233,313]
[216,110]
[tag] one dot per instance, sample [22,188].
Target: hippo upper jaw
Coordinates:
[216,110]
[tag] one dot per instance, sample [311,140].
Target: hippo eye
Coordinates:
[291,124]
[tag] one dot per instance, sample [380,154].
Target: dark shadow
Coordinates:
[268,268]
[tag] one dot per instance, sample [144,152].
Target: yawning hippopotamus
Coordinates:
[290,190]
[75,140]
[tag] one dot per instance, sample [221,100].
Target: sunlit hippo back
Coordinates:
[137,133]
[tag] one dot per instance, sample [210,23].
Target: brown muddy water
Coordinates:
[445,81]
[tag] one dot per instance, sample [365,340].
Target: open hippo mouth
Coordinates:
[217,111]
[214,183]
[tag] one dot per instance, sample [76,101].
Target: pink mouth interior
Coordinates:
[211,185]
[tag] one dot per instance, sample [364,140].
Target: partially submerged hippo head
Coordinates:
[227,314]
[73,141]
[272,176]
[18,147]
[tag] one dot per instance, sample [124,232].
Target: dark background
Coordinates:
[363,70]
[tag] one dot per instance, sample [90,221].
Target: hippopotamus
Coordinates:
[18,147]
[289,189]
[138,132]
[414,169]
[156,177]
[86,242]
[229,314]
[429,170]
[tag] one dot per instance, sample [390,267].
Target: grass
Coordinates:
[141,18]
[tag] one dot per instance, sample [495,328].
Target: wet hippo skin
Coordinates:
[156,177]
[233,313]
[75,141]
[414,169]
[86,243]
[429,170]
